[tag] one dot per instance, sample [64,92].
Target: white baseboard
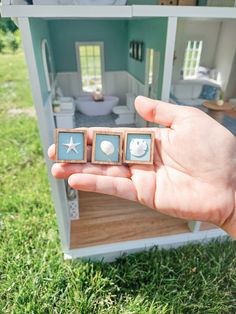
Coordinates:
[116,83]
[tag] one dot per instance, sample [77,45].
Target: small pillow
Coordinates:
[208,92]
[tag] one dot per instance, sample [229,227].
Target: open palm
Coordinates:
[194,172]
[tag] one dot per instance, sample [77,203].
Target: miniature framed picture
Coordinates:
[107,147]
[131,49]
[140,51]
[71,145]
[138,147]
[135,54]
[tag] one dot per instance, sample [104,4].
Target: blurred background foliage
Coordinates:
[9,36]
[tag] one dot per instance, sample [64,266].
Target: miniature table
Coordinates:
[217,109]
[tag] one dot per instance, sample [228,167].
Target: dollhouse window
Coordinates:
[90,65]
[192,59]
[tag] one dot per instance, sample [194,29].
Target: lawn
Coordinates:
[34,278]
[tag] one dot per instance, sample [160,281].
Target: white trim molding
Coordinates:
[46,126]
[183,11]
[44,48]
[109,252]
[106,11]
[65,11]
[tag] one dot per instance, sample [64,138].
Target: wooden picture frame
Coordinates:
[136,161]
[136,50]
[131,49]
[140,51]
[94,146]
[83,131]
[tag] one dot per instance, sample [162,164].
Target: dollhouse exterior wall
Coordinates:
[32,32]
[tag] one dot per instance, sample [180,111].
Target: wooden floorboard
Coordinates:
[106,219]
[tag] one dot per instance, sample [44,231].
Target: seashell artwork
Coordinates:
[71,145]
[138,147]
[107,147]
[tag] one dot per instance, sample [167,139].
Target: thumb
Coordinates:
[156,111]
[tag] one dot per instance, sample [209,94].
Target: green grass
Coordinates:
[33,276]
[14,86]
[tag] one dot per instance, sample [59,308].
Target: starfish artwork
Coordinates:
[71,146]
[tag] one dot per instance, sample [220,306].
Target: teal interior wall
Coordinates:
[202,2]
[39,30]
[65,33]
[153,33]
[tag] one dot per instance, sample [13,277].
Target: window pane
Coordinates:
[90,61]
[91,70]
[82,51]
[89,50]
[84,72]
[97,50]
[192,59]
[83,62]
[98,71]
[97,61]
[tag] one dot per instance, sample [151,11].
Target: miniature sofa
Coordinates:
[194,92]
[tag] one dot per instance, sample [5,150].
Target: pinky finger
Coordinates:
[120,187]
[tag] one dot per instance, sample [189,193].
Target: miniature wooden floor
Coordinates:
[106,219]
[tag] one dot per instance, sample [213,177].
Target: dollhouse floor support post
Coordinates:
[43,111]
[194,226]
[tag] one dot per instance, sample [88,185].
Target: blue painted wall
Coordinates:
[113,33]
[153,33]
[40,31]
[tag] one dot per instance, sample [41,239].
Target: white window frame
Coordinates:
[192,60]
[48,79]
[89,43]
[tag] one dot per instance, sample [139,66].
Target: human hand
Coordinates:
[194,172]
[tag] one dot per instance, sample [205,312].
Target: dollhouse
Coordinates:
[140,48]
